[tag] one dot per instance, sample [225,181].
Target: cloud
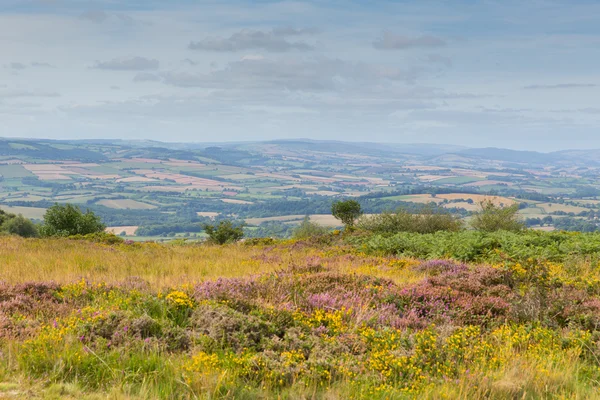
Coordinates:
[41,65]
[319,74]
[146,77]
[273,41]
[439,59]
[129,64]
[17,65]
[391,41]
[590,110]
[289,31]
[96,16]
[561,86]
[19,93]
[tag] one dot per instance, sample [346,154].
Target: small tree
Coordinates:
[493,218]
[308,229]
[67,220]
[224,232]
[347,212]
[21,226]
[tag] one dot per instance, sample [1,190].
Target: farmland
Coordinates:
[163,187]
[360,318]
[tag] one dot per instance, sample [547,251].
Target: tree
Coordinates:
[224,232]
[21,226]
[493,218]
[347,212]
[67,220]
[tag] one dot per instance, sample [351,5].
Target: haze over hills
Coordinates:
[431,152]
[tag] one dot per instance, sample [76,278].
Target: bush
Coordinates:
[308,230]
[402,221]
[489,247]
[21,226]
[68,220]
[493,218]
[100,237]
[224,232]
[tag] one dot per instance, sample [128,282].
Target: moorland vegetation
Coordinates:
[403,306]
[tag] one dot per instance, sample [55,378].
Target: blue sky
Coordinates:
[516,74]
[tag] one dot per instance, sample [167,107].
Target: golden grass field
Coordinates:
[123,204]
[64,260]
[321,219]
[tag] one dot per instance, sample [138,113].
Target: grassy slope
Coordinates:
[296,320]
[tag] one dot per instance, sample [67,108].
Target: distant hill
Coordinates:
[513,156]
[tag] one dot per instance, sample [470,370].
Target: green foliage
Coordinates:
[224,232]
[346,211]
[307,230]
[402,221]
[99,237]
[493,218]
[19,225]
[489,247]
[68,220]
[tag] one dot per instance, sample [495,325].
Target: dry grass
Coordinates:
[235,201]
[64,261]
[129,230]
[321,219]
[551,207]
[477,198]
[123,204]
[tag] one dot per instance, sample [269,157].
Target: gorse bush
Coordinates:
[402,221]
[493,218]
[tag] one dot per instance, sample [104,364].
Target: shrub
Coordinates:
[21,226]
[493,218]
[224,232]
[99,237]
[308,230]
[402,221]
[68,220]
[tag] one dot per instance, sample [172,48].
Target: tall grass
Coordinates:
[295,320]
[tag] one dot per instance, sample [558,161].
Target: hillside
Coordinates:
[168,189]
[336,318]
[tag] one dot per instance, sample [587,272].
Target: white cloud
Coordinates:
[391,41]
[247,39]
[128,64]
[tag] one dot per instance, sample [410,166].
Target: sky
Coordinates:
[520,74]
